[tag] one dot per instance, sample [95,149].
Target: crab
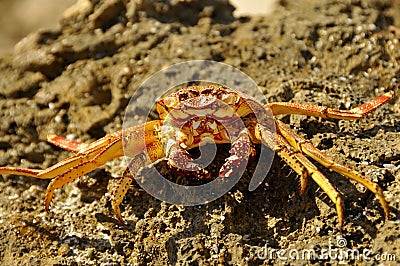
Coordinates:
[193,113]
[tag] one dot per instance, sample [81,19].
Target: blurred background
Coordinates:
[20,17]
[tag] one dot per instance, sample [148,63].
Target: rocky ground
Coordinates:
[76,80]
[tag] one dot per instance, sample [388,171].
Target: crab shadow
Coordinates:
[274,210]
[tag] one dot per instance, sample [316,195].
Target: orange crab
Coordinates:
[172,135]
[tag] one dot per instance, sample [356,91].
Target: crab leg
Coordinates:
[304,146]
[52,171]
[57,169]
[104,152]
[304,168]
[139,161]
[83,168]
[326,112]
[154,152]
[86,152]
[135,133]
[66,144]
[88,156]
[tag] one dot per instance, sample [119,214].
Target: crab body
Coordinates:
[209,111]
[217,114]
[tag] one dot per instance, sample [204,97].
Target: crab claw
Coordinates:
[241,152]
[180,160]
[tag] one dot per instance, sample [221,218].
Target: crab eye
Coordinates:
[183,96]
[207,91]
[194,92]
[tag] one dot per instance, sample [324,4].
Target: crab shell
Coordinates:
[212,111]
